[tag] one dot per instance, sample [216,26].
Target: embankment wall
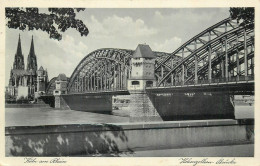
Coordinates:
[86,139]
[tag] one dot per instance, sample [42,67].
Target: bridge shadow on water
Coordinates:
[62,141]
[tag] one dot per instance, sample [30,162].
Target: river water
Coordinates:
[50,116]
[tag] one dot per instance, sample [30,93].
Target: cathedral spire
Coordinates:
[19,59]
[19,47]
[32,60]
[32,48]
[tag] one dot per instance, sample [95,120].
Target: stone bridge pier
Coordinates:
[141,107]
[60,89]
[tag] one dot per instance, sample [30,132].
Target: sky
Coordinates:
[162,29]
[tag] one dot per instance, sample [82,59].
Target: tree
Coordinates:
[244,14]
[56,21]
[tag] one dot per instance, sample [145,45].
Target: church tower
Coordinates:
[31,60]
[19,59]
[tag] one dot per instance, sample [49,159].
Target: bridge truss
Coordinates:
[223,52]
[105,69]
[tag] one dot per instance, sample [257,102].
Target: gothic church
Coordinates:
[30,82]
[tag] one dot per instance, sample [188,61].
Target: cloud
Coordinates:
[58,65]
[120,26]
[71,46]
[169,45]
[69,52]
[163,29]
[184,16]
[186,22]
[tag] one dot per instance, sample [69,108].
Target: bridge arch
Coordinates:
[51,86]
[166,64]
[102,69]
[239,38]
[102,65]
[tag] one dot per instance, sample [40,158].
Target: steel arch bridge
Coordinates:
[106,69]
[226,49]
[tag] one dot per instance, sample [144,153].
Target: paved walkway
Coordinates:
[50,116]
[246,150]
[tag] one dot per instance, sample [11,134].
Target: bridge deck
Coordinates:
[102,92]
[243,86]
[98,92]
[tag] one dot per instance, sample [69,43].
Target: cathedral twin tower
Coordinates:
[27,82]
[19,58]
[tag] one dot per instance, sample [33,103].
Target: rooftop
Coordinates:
[61,77]
[143,51]
[41,68]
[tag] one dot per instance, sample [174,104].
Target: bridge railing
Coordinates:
[233,79]
[99,90]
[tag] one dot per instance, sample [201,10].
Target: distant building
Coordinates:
[25,83]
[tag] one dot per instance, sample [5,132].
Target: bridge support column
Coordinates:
[183,69]
[209,61]
[196,64]
[60,103]
[245,55]
[60,89]
[142,108]
[226,60]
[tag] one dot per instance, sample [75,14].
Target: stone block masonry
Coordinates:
[89,139]
[60,103]
[141,108]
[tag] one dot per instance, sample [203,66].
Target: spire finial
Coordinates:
[19,40]
[32,47]
[19,47]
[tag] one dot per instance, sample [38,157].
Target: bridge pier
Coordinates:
[60,89]
[142,76]
[60,103]
[142,108]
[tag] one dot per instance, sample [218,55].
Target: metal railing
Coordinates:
[233,79]
[99,90]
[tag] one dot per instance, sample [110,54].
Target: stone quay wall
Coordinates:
[89,139]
